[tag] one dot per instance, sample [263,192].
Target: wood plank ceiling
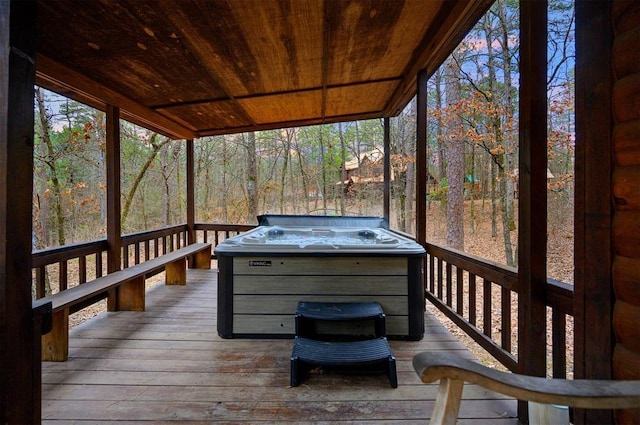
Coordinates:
[194,68]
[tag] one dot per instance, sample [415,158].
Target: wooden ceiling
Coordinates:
[191,68]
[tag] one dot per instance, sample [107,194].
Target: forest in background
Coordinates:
[472,157]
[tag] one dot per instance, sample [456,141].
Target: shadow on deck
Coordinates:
[168,364]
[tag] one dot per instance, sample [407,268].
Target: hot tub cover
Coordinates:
[321,220]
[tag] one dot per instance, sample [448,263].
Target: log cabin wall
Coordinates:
[626,191]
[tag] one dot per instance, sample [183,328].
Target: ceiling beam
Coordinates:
[68,82]
[290,124]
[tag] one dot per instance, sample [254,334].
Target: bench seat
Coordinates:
[126,288]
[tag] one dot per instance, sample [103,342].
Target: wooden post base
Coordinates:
[176,272]
[55,344]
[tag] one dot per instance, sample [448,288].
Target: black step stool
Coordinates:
[333,335]
[308,353]
[344,321]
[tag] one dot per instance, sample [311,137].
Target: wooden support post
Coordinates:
[114,226]
[532,209]
[191,196]
[176,272]
[20,362]
[131,295]
[421,159]
[387,171]
[55,344]
[593,295]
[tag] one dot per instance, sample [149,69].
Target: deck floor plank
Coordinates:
[168,365]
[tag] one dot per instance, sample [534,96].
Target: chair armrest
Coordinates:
[582,393]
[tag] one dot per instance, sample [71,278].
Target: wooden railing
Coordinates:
[462,286]
[76,264]
[481,298]
[217,233]
[144,246]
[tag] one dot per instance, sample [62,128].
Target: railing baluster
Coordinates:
[440,279]
[459,291]
[472,299]
[82,269]
[62,275]
[125,256]
[559,343]
[98,264]
[431,274]
[41,276]
[137,253]
[506,319]
[486,303]
[449,284]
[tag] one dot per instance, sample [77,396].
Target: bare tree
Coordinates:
[155,148]
[455,158]
[252,177]
[50,159]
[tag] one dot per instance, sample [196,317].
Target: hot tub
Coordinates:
[265,272]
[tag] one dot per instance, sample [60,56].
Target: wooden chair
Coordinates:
[453,372]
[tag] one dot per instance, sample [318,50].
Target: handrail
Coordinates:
[446,270]
[53,264]
[453,287]
[220,232]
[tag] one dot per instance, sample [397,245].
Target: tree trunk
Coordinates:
[225,188]
[283,176]
[303,174]
[510,139]
[252,178]
[324,170]
[440,128]
[343,174]
[132,191]
[50,160]
[455,160]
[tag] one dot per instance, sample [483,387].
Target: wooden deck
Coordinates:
[168,365]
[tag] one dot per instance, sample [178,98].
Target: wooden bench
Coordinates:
[127,287]
[453,372]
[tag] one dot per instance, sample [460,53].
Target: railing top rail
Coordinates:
[225,227]
[53,255]
[503,275]
[149,234]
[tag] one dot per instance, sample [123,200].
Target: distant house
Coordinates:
[516,181]
[367,171]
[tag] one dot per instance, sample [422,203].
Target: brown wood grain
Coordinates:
[626,188]
[624,63]
[626,279]
[626,233]
[626,98]
[626,363]
[168,363]
[625,324]
[626,143]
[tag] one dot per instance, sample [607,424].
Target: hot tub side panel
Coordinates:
[258,294]
[225,296]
